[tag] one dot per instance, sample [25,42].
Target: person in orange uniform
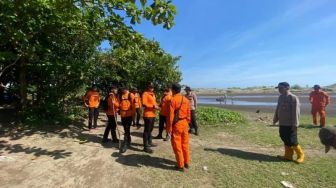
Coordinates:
[178,127]
[319,100]
[137,100]
[112,109]
[127,111]
[150,107]
[92,101]
[164,105]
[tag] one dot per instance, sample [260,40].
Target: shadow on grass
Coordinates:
[36,151]
[138,160]
[308,126]
[246,155]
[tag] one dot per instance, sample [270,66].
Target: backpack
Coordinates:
[177,113]
[126,104]
[105,103]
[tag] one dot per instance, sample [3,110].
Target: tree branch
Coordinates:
[8,66]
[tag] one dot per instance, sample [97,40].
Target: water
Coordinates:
[235,101]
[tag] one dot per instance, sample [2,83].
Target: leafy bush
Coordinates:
[213,115]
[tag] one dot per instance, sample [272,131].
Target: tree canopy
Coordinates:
[49,48]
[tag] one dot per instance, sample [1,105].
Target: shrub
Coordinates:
[214,115]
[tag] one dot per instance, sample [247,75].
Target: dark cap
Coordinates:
[317,87]
[176,87]
[113,87]
[150,85]
[187,88]
[283,84]
[166,90]
[124,88]
[134,89]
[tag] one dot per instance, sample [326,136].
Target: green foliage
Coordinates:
[144,62]
[48,49]
[214,116]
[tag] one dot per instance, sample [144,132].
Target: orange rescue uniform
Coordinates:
[137,100]
[92,99]
[127,105]
[319,101]
[113,105]
[165,102]
[179,132]
[149,103]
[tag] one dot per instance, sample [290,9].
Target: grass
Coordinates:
[237,160]
[262,133]
[239,153]
[218,116]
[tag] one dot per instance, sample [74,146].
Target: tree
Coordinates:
[48,48]
[136,66]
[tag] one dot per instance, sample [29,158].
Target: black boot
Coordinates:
[124,146]
[196,131]
[150,141]
[129,140]
[104,140]
[159,136]
[114,138]
[146,145]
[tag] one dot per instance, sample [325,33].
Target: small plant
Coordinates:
[213,115]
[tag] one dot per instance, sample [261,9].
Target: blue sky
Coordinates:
[240,43]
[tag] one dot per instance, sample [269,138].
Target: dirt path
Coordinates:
[75,157]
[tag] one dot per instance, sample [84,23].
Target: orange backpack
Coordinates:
[125,103]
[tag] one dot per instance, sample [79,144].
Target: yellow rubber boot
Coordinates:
[300,155]
[288,154]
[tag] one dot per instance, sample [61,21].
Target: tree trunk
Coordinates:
[23,84]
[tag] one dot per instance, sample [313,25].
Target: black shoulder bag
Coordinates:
[177,113]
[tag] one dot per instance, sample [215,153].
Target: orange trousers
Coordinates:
[180,143]
[322,113]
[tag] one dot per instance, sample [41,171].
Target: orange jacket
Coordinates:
[165,102]
[149,103]
[127,105]
[112,105]
[92,99]
[319,99]
[184,114]
[137,100]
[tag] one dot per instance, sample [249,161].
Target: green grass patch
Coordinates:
[263,134]
[218,116]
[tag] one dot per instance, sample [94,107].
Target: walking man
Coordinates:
[112,109]
[150,107]
[92,101]
[137,103]
[319,100]
[288,115]
[164,105]
[177,127]
[193,106]
[127,111]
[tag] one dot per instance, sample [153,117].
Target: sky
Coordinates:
[246,43]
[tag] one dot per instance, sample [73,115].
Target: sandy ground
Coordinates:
[75,157]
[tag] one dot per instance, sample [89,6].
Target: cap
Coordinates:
[113,87]
[317,86]
[187,88]
[166,90]
[150,85]
[283,84]
[176,87]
